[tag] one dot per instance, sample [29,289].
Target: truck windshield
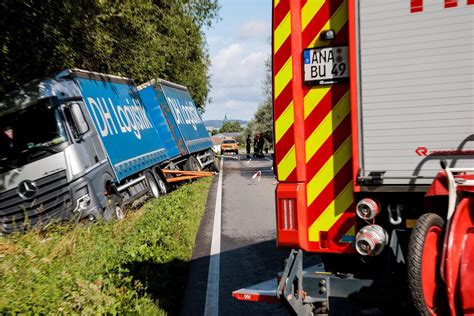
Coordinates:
[30,135]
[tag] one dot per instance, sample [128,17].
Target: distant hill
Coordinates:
[218,123]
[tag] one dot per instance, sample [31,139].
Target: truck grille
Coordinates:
[52,198]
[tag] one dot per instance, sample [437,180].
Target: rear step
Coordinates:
[305,292]
[262,292]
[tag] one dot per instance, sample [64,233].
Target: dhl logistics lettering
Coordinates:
[114,119]
[184,113]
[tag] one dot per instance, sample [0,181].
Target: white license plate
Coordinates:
[326,65]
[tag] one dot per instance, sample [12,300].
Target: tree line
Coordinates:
[140,39]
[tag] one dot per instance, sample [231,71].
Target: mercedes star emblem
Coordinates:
[27,189]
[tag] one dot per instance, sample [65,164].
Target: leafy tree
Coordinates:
[230,127]
[138,39]
[262,122]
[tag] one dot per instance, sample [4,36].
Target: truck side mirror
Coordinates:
[76,119]
[80,123]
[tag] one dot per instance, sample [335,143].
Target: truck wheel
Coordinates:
[424,258]
[192,164]
[215,165]
[113,209]
[152,185]
[162,186]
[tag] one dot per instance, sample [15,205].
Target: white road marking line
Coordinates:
[212,295]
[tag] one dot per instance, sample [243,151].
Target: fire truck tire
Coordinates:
[424,259]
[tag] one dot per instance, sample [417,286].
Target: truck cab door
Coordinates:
[83,133]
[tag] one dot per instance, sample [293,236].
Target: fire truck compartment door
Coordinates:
[415,82]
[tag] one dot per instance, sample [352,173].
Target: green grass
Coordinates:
[135,266]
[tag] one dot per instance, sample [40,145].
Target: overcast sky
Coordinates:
[238,47]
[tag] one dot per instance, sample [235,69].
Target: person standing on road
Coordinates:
[261,143]
[248,145]
[255,146]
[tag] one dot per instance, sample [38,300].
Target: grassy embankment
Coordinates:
[137,265]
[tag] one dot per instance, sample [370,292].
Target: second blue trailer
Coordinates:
[178,122]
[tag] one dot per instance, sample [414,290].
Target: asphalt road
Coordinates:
[247,252]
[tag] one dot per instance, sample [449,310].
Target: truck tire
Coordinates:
[215,165]
[423,262]
[113,209]
[162,186]
[192,164]
[152,185]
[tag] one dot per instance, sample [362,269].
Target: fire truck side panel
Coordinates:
[313,144]
[416,97]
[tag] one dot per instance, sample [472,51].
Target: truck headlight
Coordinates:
[83,201]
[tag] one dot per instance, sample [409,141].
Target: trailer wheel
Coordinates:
[114,209]
[151,182]
[162,186]
[215,165]
[192,164]
[424,259]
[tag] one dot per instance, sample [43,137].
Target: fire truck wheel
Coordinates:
[424,259]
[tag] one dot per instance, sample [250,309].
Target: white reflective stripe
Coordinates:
[285,214]
[211,306]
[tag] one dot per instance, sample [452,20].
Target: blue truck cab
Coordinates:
[81,144]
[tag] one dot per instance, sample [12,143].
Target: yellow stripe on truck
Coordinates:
[287,164]
[284,122]
[312,99]
[329,170]
[282,32]
[327,126]
[337,21]
[332,213]
[283,77]
[309,11]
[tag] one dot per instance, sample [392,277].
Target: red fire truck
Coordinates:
[374,153]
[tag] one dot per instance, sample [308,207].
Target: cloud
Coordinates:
[233,109]
[236,66]
[254,29]
[237,71]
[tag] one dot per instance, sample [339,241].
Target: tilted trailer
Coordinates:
[83,145]
[374,154]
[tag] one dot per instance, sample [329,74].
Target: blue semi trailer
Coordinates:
[82,144]
[174,113]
